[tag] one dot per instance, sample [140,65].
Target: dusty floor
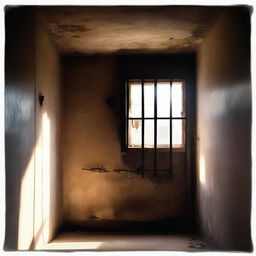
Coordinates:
[125,242]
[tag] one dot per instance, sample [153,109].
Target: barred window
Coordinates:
[156,114]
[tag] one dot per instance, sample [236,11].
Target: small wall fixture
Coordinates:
[41,99]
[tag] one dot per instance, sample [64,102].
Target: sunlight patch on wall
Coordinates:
[38,226]
[34,223]
[42,183]
[26,218]
[46,168]
[202,170]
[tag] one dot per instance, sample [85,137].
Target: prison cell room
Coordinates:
[130,127]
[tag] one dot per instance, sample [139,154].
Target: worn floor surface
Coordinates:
[125,242]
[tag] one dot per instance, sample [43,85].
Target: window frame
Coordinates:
[155,118]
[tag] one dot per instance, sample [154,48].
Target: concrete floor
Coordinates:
[125,242]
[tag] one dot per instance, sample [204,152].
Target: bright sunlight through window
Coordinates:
[156,108]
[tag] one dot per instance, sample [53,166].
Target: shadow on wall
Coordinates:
[19,121]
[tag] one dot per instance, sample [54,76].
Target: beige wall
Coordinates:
[224,132]
[91,138]
[48,199]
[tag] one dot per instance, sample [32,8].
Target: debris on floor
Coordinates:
[198,244]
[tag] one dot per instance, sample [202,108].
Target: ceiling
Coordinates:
[128,29]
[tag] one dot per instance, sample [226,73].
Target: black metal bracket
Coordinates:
[41,99]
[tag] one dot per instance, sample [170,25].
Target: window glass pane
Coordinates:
[177,99]
[134,99]
[149,99]
[163,99]
[149,134]
[163,110]
[178,127]
[134,134]
[163,133]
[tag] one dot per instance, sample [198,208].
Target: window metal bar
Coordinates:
[143,128]
[155,118]
[127,112]
[159,170]
[155,127]
[170,153]
[151,118]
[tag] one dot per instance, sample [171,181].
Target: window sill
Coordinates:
[176,150]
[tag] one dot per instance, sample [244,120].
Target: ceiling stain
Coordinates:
[60,30]
[128,29]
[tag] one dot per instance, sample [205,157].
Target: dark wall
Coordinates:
[160,65]
[224,132]
[19,114]
[167,66]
